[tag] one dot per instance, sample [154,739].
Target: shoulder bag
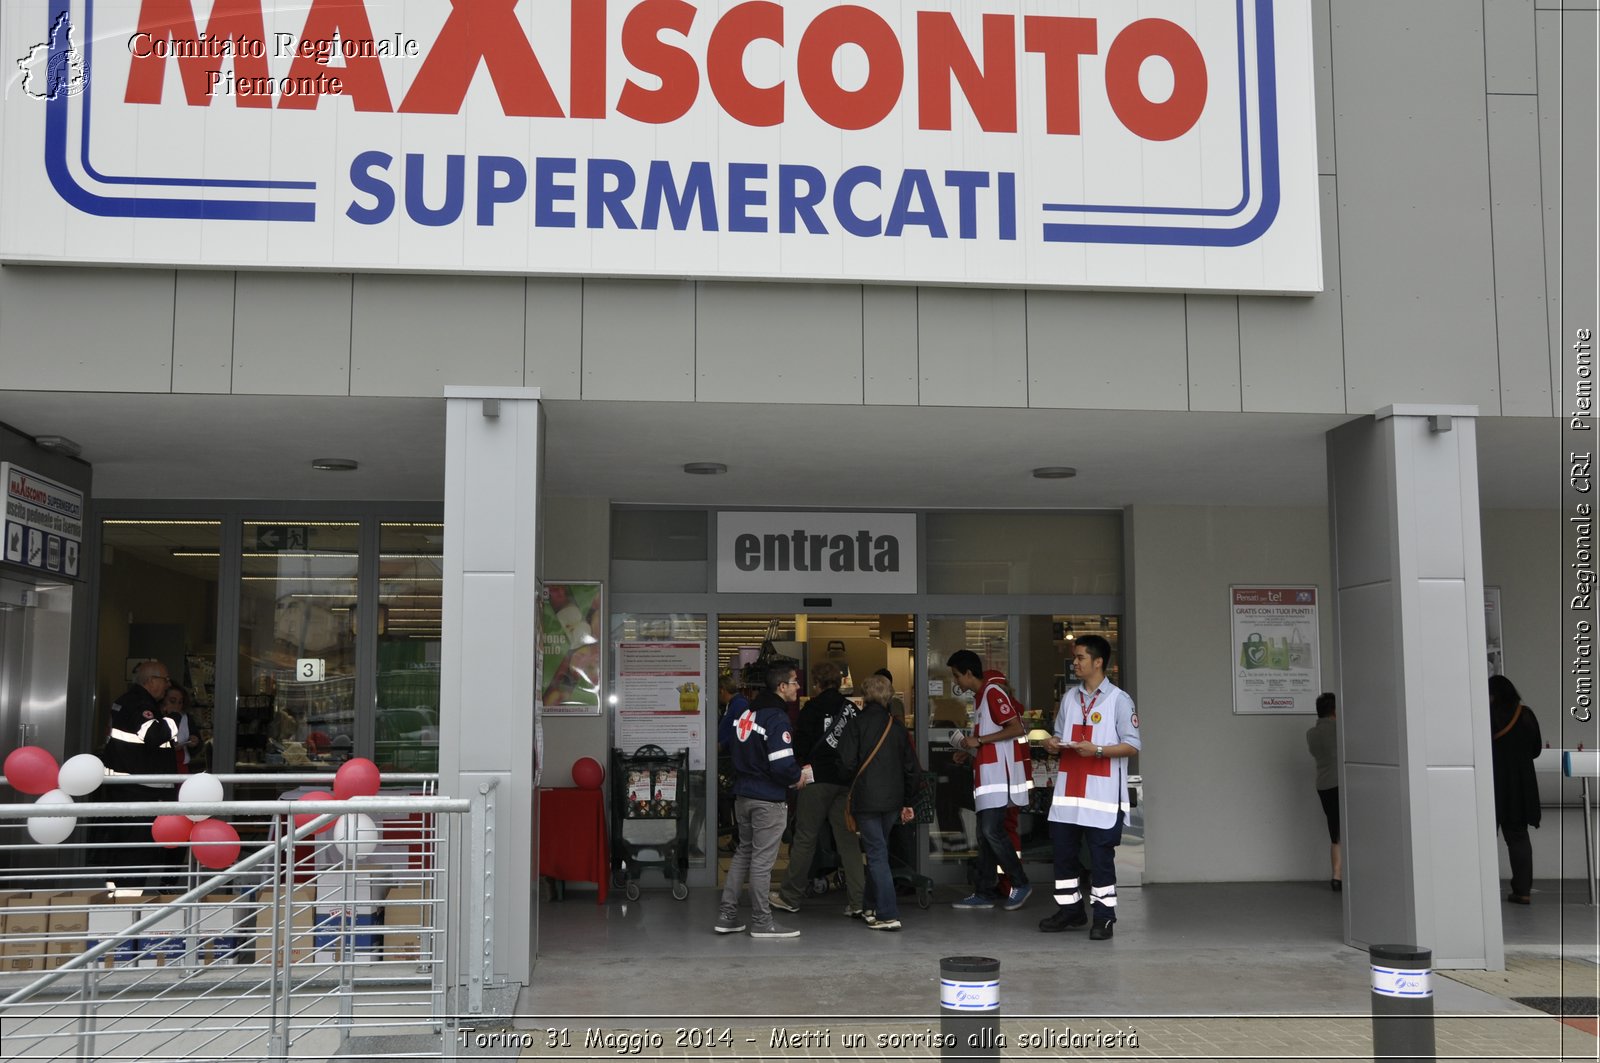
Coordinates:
[849,816]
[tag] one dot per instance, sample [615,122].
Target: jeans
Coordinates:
[878,895]
[994,848]
[1066,840]
[760,831]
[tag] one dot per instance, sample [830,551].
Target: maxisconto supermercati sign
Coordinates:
[1164,144]
[817,553]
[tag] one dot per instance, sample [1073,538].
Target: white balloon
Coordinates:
[356,836]
[81,775]
[200,788]
[52,830]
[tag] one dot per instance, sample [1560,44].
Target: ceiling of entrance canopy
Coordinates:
[801,456]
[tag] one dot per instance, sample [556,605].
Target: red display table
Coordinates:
[572,837]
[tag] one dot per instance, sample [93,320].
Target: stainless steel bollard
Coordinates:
[969,1008]
[1402,1003]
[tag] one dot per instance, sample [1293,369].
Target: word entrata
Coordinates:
[740,197]
[490,34]
[803,552]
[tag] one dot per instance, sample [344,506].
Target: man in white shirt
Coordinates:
[1096,731]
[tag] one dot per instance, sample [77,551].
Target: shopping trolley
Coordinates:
[649,818]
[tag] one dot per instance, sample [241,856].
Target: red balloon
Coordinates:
[31,770]
[306,817]
[171,831]
[355,778]
[215,843]
[587,773]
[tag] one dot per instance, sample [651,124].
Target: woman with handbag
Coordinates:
[1516,741]
[875,751]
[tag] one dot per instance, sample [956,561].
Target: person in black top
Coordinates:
[876,749]
[821,803]
[764,768]
[141,742]
[1516,741]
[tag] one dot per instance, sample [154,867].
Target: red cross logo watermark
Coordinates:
[1078,769]
[747,722]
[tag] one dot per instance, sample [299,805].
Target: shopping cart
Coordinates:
[650,818]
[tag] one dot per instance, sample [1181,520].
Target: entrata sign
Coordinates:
[817,553]
[1092,143]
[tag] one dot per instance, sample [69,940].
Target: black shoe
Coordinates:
[1100,932]
[1063,919]
[1336,884]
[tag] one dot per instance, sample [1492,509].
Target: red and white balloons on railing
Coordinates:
[306,817]
[31,770]
[82,775]
[51,830]
[356,778]
[201,789]
[215,843]
[171,831]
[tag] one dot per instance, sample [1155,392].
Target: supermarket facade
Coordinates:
[877,334]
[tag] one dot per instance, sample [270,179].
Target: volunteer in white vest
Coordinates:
[1096,731]
[1001,778]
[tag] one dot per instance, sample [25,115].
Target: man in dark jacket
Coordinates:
[822,802]
[764,768]
[141,743]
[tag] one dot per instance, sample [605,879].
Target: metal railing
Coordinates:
[332,931]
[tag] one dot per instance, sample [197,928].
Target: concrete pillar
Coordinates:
[492,495]
[1415,778]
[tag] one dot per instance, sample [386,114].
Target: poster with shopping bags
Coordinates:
[1276,650]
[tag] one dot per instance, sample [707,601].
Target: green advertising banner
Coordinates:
[571,626]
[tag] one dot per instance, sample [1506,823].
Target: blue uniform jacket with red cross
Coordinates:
[762,751]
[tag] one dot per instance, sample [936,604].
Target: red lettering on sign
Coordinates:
[1061,41]
[236,33]
[1178,113]
[361,77]
[486,31]
[943,54]
[744,102]
[886,68]
[642,44]
[588,59]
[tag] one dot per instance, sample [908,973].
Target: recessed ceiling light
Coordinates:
[1054,472]
[58,445]
[335,464]
[705,468]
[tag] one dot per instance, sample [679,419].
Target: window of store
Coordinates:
[409,630]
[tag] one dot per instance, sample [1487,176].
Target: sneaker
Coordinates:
[884,924]
[1018,897]
[777,901]
[728,924]
[1064,919]
[853,913]
[974,902]
[773,930]
[1101,931]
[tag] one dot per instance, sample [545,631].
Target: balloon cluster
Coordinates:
[32,770]
[215,844]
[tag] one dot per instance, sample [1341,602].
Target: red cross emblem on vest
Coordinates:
[1077,769]
[747,722]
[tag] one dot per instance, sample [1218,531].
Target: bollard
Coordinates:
[969,1008]
[1402,1003]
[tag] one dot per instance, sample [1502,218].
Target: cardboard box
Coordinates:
[109,915]
[69,925]
[161,942]
[406,914]
[302,915]
[27,932]
[224,922]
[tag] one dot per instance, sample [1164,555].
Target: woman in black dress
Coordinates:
[1516,788]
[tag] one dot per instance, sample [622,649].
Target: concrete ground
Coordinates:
[1253,971]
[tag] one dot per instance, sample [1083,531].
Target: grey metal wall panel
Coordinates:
[1212,329]
[202,332]
[889,346]
[1440,549]
[553,337]
[1567,82]
[1321,45]
[1369,718]
[487,594]
[1446,701]
[638,340]
[778,343]
[1361,478]
[1291,350]
[67,329]
[291,334]
[412,335]
[1414,236]
[1370,794]
[1454,852]
[1509,64]
[1110,350]
[972,347]
[1521,315]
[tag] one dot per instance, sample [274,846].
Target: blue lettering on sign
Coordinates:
[739,197]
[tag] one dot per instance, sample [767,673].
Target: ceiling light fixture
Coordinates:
[58,445]
[335,464]
[705,468]
[1054,472]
